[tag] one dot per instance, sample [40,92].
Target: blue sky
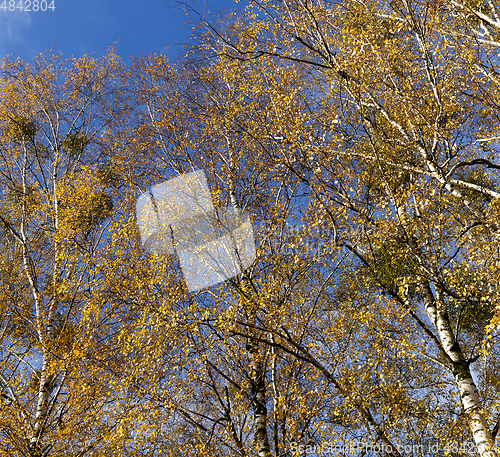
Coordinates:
[77,27]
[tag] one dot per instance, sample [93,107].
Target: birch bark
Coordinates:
[461,371]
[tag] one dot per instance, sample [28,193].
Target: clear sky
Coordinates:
[76,27]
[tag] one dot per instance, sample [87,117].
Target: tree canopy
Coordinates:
[362,137]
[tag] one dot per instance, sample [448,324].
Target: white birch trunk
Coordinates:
[463,378]
[258,386]
[257,374]
[44,332]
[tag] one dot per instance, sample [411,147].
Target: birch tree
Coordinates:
[381,116]
[402,151]
[62,131]
[361,137]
